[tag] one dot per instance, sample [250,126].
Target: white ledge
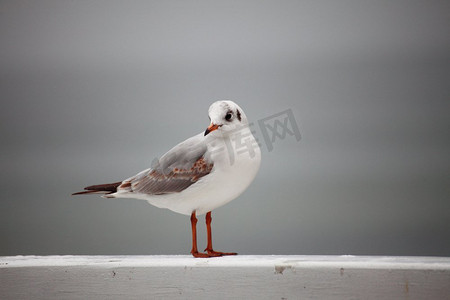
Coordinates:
[298,261]
[243,276]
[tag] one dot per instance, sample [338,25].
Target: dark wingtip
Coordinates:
[100,188]
[83,192]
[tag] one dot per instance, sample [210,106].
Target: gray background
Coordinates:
[93,91]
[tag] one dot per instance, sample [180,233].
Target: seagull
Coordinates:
[199,174]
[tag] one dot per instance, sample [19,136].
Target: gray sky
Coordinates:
[93,91]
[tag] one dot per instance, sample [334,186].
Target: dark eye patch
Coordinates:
[229,115]
[238,114]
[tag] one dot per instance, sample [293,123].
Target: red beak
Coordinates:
[211,127]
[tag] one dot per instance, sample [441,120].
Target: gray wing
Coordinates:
[175,171]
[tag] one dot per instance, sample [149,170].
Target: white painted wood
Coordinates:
[242,277]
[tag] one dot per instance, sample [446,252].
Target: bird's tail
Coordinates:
[108,188]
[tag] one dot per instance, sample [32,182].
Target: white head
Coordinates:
[225,116]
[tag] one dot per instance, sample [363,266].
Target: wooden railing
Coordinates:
[239,277]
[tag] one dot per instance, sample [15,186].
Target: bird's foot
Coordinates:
[211,253]
[200,254]
[218,253]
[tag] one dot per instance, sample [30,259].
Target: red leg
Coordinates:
[209,247]
[194,250]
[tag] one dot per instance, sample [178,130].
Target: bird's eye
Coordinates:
[228,116]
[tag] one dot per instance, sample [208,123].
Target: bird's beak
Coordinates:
[210,128]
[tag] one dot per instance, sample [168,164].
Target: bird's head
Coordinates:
[225,116]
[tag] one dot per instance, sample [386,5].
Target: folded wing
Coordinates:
[178,169]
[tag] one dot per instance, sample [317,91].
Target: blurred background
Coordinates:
[93,91]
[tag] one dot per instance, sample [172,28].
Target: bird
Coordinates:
[199,174]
